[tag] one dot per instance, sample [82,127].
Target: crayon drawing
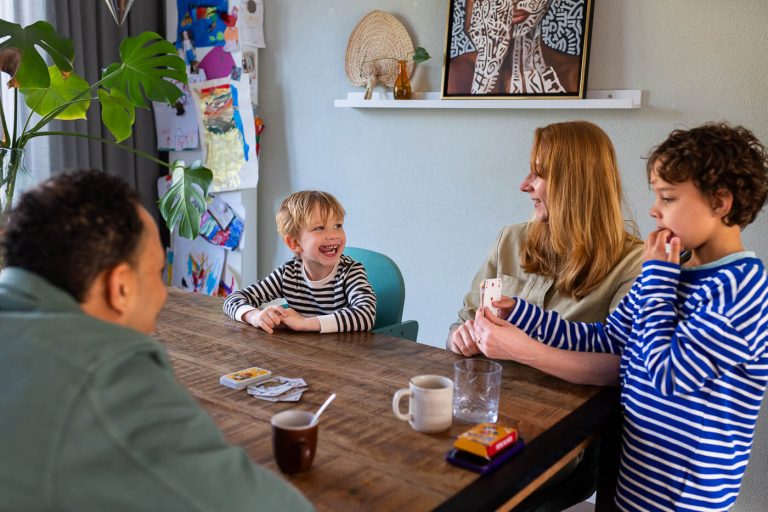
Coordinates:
[197,265]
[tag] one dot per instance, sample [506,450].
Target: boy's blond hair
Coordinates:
[296,210]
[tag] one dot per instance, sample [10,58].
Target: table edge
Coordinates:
[489,492]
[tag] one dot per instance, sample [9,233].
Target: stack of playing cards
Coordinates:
[278,389]
[490,291]
[242,378]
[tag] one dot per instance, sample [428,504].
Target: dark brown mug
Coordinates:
[293,440]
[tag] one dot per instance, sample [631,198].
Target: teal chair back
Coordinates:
[387,282]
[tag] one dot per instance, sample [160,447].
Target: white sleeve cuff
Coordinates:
[242,310]
[328,323]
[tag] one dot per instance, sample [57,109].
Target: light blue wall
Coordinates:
[432,188]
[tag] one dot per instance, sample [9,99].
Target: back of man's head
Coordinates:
[73,227]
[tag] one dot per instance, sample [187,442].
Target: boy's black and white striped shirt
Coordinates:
[343,302]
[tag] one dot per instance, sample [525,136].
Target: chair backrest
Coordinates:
[387,282]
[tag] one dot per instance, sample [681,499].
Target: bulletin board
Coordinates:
[216,120]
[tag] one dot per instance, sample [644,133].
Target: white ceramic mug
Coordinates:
[430,403]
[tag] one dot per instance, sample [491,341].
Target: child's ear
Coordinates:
[722,202]
[292,244]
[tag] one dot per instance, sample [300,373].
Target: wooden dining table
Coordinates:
[366,458]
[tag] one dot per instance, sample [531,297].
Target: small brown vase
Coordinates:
[402,83]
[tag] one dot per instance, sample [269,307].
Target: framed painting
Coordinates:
[517,49]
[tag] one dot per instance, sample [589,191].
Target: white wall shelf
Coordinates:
[595,99]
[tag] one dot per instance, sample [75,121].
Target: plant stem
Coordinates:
[381,58]
[6,135]
[105,141]
[14,162]
[15,115]
[26,123]
[47,118]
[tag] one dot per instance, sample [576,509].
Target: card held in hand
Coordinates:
[490,291]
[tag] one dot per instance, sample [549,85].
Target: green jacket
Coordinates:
[91,418]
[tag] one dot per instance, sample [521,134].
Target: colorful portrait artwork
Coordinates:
[197,265]
[204,20]
[517,48]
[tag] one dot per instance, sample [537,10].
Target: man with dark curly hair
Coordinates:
[91,417]
[691,335]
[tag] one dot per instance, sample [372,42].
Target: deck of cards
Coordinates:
[242,378]
[278,389]
[490,291]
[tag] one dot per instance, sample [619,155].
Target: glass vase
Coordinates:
[402,83]
[11,167]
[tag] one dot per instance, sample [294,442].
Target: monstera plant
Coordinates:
[147,61]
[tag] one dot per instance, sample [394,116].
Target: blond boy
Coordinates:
[326,291]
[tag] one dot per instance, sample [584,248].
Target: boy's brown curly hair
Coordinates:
[717,156]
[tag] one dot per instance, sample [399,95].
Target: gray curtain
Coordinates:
[97,43]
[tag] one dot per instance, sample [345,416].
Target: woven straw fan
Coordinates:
[374,47]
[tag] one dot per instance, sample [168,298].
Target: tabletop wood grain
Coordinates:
[366,458]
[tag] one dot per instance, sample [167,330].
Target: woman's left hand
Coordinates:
[497,338]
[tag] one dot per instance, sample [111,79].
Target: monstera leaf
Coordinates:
[117,113]
[148,61]
[33,71]
[184,203]
[59,91]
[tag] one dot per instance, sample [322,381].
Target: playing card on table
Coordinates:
[490,291]
[275,386]
[292,395]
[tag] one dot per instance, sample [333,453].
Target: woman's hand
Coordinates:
[463,340]
[266,319]
[656,247]
[505,305]
[295,321]
[499,339]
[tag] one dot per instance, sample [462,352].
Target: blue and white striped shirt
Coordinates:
[694,368]
[342,302]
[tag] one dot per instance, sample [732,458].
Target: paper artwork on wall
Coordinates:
[203,20]
[251,23]
[197,265]
[220,225]
[224,143]
[176,125]
[231,32]
[251,68]
[230,281]
[217,63]
[259,124]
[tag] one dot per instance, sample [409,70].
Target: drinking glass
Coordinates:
[476,384]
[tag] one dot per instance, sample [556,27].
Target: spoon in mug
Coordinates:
[321,409]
